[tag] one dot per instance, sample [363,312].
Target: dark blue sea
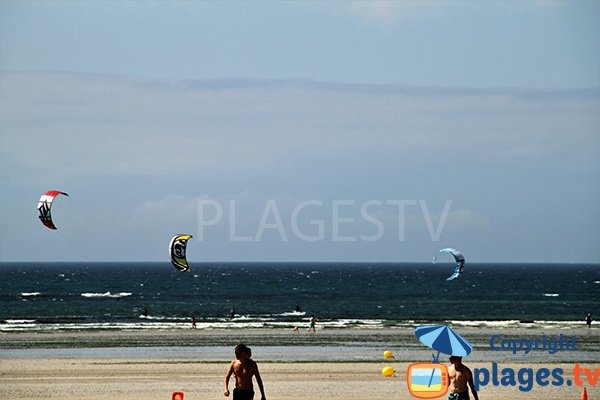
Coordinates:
[99,296]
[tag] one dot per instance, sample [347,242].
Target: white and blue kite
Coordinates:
[460,262]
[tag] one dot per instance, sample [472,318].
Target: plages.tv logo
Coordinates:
[428,380]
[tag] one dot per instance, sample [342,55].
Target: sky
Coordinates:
[301,131]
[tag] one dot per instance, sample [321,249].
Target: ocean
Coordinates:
[40,297]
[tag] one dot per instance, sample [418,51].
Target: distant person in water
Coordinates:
[313,325]
[588,320]
[193,322]
[232,313]
[460,378]
[145,312]
[297,309]
[244,368]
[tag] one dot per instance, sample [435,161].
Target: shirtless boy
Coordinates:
[244,368]
[461,379]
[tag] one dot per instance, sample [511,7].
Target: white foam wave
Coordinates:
[293,314]
[258,322]
[19,321]
[551,294]
[491,324]
[106,295]
[162,318]
[517,324]
[30,294]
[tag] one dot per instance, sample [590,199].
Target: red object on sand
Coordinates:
[177,396]
[584,394]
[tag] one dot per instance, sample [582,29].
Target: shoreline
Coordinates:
[210,336]
[278,344]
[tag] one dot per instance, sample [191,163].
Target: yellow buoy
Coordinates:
[388,354]
[388,372]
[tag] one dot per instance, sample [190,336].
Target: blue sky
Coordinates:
[422,43]
[143,111]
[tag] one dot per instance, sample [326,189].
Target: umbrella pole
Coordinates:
[435,360]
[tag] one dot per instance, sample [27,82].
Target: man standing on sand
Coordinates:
[313,325]
[244,368]
[588,320]
[461,379]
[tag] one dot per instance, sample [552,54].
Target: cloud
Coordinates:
[389,13]
[71,124]
[464,219]
[161,146]
[171,210]
[385,12]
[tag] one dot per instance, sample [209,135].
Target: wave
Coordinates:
[537,324]
[282,323]
[30,294]
[293,314]
[551,294]
[224,326]
[106,295]
[160,325]
[19,321]
[163,318]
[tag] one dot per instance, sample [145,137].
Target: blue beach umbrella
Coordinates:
[443,339]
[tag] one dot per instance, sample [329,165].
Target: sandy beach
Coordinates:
[146,379]
[34,366]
